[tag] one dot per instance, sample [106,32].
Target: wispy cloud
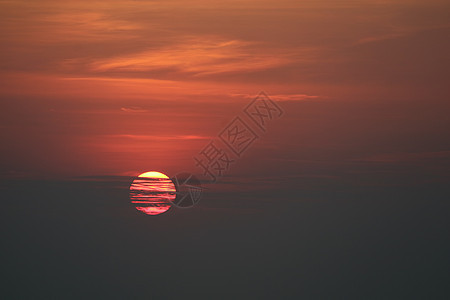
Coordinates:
[282,97]
[407,157]
[159,137]
[89,25]
[199,56]
[133,109]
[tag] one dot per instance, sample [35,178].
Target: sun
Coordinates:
[154,174]
[152,193]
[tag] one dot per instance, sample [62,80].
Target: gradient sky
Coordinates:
[121,87]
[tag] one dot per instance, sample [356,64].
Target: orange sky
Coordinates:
[121,87]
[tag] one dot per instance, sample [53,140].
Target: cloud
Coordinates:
[88,25]
[282,97]
[397,32]
[379,38]
[159,137]
[133,109]
[199,56]
[407,157]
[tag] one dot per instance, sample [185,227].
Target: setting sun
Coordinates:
[152,193]
[153,174]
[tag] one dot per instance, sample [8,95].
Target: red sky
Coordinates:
[121,87]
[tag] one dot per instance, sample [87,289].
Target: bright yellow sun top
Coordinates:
[153,174]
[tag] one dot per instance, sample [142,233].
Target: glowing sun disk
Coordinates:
[152,193]
[154,174]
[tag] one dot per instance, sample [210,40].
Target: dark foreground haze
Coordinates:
[85,240]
